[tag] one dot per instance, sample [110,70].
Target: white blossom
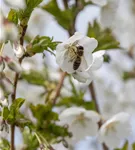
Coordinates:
[116,129]
[18,50]
[16,3]
[67,53]
[9,30]
[81,122]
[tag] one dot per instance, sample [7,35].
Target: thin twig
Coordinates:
[58,89]
[13,96]
[93,95]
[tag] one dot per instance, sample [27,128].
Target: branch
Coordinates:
[13,96]
[58,89]
[93,95]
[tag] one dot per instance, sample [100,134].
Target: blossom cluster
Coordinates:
[84,123]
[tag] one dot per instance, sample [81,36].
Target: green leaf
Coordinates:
[39,44]
[63,17]
[13,16]
[133,146]
[4,144]
[30,140]
[24,15]
[5,113]
[43,113]
[14,110]
[78,101]
[105,38]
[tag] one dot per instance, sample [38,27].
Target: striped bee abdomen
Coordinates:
[77,63]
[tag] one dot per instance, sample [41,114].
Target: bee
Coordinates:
[77,61]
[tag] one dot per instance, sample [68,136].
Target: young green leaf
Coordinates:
[5,113]
[14,110]
[39,44]
[13,16]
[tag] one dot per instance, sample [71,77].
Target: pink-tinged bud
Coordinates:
[18,50]
[9,30]
[13,65]
[2,64]
[6,86]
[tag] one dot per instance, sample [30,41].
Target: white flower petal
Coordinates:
[84,77]
[71,111]
[77,36]
[89,44]
[97,60]
[94,116]
[115,129]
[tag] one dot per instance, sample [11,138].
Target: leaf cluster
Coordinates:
[46,122]
[13,115]
[41,43]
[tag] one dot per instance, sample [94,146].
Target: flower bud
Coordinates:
[18,50]
[6,87]
[4,102]
[2,64]
[4,126]
[10,31]
[13,65]
[1,94]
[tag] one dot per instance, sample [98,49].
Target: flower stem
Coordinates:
[93,95]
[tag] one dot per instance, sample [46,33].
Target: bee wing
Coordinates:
[75,43]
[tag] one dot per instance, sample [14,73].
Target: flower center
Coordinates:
[111,127]
[80,119]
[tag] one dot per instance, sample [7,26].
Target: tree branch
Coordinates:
[13,96]
[58,89]
[93,95]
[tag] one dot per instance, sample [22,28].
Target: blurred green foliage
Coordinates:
[46,123]
[4,144]
[13,16]
[34,77]
[106,39]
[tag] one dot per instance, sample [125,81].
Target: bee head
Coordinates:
[80,47]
